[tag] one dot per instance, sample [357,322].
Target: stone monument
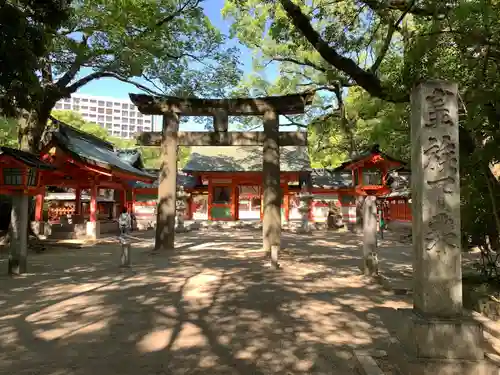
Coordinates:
[182,197]
[305,200]
[370,258]
[437,335]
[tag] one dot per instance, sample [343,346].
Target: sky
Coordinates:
[120,90]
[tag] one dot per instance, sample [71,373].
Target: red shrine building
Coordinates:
[95,181]
[225,183]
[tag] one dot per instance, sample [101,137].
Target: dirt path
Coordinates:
[210,307]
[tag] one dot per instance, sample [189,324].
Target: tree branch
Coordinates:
[298,62]
[365,79]
[406,5]
[74,68]
[97,75]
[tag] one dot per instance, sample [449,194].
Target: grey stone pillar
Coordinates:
[18,252]
[165,220]
[438,336]
[271,226]
[370,259]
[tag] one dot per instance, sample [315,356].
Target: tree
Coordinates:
[170,43]
[26,31]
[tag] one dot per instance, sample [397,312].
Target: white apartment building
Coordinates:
[118,116]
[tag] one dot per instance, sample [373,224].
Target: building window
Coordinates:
[147,121]
[100,110]
[132,107]
[100,103]
[132,121]
[109,126]
[76,107]
[139,122]
[124,113]
[93,109]
[116,118]
[109,118]
[139,128]
[109,104]
[124,135]
[116,111]
[109,111]
[139,114]
[124,127]
[76,100]
[125,120]
[93,101]
[222,195]
[132,128]
[100,118]
[67,106]
[124,106]
[147,128]
[84,107]
[101,124]
[58,106]
[85,100]
[92,114]
[133,114]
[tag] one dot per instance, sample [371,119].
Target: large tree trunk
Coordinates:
[31,127]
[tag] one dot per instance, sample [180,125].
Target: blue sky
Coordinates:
[120,90]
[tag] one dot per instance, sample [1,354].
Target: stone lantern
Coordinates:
[305,200]
[181,206]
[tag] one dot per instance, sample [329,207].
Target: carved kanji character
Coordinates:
[438,113]
[441,234]
[441,158]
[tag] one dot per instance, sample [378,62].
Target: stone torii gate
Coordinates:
[171,108]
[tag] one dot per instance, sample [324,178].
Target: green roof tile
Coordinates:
[244,159]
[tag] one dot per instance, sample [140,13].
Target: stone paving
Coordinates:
[211,306]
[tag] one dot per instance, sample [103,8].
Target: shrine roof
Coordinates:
[244,159]
[372,151]
[91,150]
[328,179]
[132,156]
[27,158]
[183,179]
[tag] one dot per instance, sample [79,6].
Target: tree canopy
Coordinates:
[26,31]
[170,44]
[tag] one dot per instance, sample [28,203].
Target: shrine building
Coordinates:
[225,184]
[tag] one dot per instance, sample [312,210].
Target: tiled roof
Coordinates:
[183,179]
[328,179]
[29,159]
[244,159]
[374,150]
[91,150]
[132,156]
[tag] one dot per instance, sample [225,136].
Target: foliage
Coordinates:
[26,31]
[169,43]
[8,132]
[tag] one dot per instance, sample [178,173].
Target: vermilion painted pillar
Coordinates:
[210,199]
[234,200]
[132,204]
[39,206]
[78,201]
[93,203]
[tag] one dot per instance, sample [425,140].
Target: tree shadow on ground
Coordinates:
[212,306]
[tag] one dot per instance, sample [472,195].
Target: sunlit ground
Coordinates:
[212,306]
